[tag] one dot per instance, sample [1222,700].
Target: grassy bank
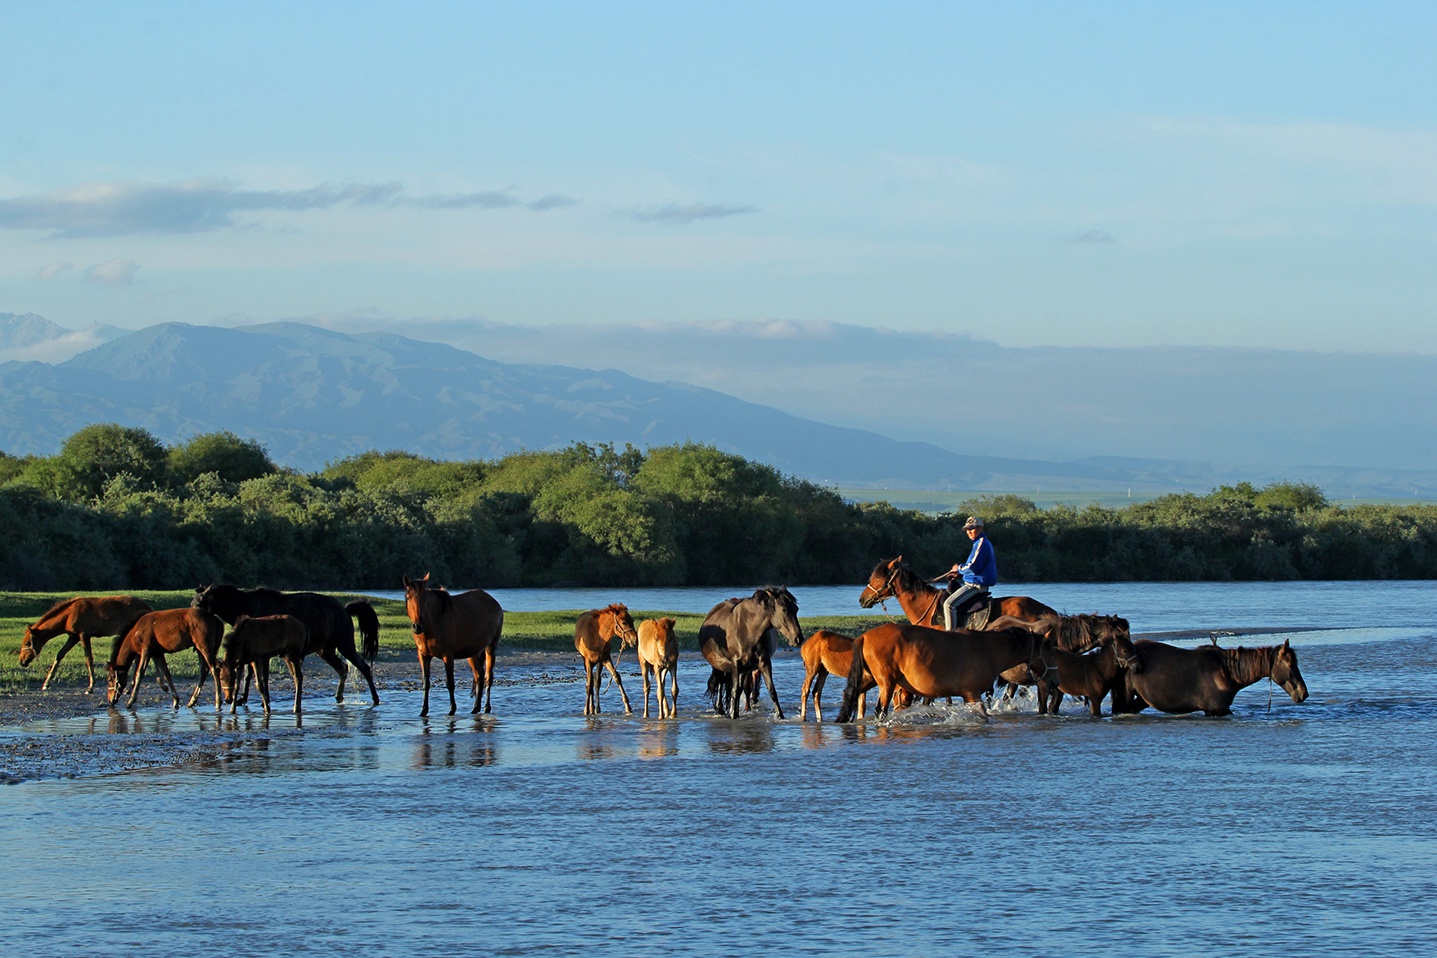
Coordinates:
[542,631]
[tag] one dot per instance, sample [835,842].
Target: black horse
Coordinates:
[737,638]
[331,631]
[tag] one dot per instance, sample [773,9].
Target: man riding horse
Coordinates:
[979,573]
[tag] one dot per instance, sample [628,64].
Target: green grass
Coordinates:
[544,631]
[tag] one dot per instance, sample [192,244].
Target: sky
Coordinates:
[1091,174]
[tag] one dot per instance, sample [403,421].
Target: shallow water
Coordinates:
[1306,829]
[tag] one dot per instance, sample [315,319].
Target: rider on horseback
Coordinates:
[979,573]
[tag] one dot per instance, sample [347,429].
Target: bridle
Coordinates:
[887,592]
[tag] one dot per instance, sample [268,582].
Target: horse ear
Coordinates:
[426,578]
[407,583]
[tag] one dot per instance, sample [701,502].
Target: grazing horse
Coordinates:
[331,632]
[824,652]
[253,642]
[931,663]
[80,619]
[1072,633]
[592,635]
[152,636]
[449,627]
[923,604]
[737,638]
[659,653]
[1205,679]
[1091,676]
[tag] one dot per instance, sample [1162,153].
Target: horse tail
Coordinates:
[363,613]
[846,712]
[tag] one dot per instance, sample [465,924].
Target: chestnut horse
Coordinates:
[932,663]
[152,636]
[923,604]
[253,642]
[449,627]
[827,652]
[1091,676]
[659,653]
[80,619]
[592,635]
[1205,679]
[331,633]
[736,638]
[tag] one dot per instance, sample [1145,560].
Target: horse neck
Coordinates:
[917,598]
[1247,666]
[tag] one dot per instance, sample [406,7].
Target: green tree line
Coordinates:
[116,508]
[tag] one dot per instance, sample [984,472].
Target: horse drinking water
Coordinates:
[152,636]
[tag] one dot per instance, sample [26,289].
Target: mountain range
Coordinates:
[313,396]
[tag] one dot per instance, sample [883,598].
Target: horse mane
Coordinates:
[1244,665]
[58,606]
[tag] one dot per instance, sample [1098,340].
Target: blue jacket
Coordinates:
[982,566]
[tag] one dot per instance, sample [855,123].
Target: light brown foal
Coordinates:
[659,653]
[592,635]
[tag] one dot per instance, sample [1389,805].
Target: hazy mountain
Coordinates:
[28,337]
[313,396]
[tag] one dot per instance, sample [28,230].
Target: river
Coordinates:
[1283,829]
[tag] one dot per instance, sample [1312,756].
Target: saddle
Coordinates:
[975,612]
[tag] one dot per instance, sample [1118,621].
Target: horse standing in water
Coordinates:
[827,652]
[152,636]
[659,654]
[449,627]
[736,638]
[253,642]
[593,632]
[1091,676]
[80,619]
[1205,679]
[1073,634]
[331,631]
[923,604]
[933,663]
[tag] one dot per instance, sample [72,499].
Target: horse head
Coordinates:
[414,590]
[27,647]
[782,609]
[1286,673]
[1125,654]
[880,582]
[621,624]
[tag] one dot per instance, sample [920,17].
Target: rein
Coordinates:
[888,592]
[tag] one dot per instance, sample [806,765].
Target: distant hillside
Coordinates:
[313,396]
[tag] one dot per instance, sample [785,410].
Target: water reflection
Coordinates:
[741,737]
[659,739]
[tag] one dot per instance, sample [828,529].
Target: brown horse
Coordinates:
[923,604]
[449,627]
[592,635]
[80,619]
[932,663]
[154,635]
[827,652]
[1091,676]
[1075,634]
[659,653]
[253,642]
[1205,679]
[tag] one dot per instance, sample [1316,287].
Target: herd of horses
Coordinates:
[1002,644]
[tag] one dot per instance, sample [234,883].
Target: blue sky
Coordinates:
[1036,174]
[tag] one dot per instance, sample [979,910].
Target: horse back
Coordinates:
[93,614]
[1179,680]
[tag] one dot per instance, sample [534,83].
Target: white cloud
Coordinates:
[112,272]
[688,213]
[51,270]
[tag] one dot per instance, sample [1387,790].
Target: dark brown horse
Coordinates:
[737,639]
[331,632]
[1075,634]
[592,635]
[933,663]
[826,652]
[1205,679]
[1091,676]
[155,634]
[253,642]
[449,627]
[923,604]
[80,619]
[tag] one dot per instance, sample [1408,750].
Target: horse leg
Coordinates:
[336,663]
[139,674]
[766,670]
[490,652]
[674,689]
[163,668]
[89,661]
[262,680]
[449,682]
[424,670]
[644,671]
[820,680]
[70,640]
[614,671]
[296,672]
[588,687]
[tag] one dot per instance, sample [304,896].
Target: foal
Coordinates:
[152,636]
[254,641]
[827,652]
[659,653]
[592,635]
